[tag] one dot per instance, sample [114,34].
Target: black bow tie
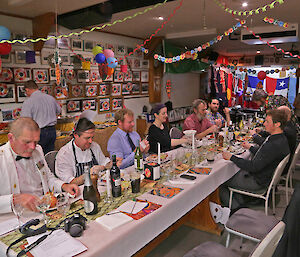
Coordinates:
[21,157]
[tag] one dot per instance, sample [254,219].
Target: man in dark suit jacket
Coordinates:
[256,174]
[289,130]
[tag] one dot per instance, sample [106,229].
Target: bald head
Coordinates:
[17,127]
[286,110]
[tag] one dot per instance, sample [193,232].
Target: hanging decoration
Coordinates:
[199,48]
[276,22]
[261,75]
[168,88]
[6,40]
[251,12]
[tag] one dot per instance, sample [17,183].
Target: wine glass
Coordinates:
[62,203]
[18,210]
[43,205]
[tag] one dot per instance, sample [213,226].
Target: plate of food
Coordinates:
[153,157]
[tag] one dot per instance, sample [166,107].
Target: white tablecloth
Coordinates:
[131,237]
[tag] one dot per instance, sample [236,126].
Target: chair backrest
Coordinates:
[295,158]
[50,159]
[267,246]
[175,133]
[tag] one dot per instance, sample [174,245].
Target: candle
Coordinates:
[108,186]
[193,141]
[158,153]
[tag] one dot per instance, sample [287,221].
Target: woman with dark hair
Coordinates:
[159,132]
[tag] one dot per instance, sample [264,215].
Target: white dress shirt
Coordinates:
[65,161]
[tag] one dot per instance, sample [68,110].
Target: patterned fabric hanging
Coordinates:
[168,88]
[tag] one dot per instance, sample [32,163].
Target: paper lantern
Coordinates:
[261,75]
[5,48]
[100,58]
[97,50]
[4,33]
[108,53]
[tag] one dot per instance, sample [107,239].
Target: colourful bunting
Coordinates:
[276,22]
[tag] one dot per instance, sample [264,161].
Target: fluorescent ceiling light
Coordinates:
[191,33]
[245,4]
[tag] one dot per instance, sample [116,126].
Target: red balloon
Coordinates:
[5,48]
[261,75]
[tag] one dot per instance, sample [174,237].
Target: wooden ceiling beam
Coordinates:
[41,26]
[152,45]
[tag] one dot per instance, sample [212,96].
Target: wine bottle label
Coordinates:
[117,182]
[88,206]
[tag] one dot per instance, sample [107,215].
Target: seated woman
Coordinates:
[159,132]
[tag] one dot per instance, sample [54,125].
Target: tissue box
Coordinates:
[152,170]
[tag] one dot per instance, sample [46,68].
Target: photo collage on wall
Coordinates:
[80,89]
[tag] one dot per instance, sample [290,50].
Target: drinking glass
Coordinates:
[18,210]
[43,205]
[62,203]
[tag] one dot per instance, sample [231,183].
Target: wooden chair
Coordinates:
[50,159]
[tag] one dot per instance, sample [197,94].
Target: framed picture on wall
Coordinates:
[136,76]
[95,76]
[7,115]
[145,64]
[88,45]
[116,103]
[52,74]
[129,50]
[129,62]
[144,76]
[77,44]
[77,91]
[70,74]
[121,50]
[116,89]
[60,92]
[73,106]
[22,74]
[49,43]
[20,57]
[136,63]
[46,89]
[40,76]
[65,59]
[136,88]
[104,105]
[6,75]
[6,58]
[126,88]
[103,89]
[21,95]
[128,76]
[118,76]
[45,54]
[91,90]
[83,76]
[7,93]
[63,43]
[145,88]
[89,104]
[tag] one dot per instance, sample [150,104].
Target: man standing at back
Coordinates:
[42,108]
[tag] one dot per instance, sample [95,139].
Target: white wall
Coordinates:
[185,88]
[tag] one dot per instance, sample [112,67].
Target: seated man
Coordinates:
[124,140]
[23,169]
[198,120]
[289,130]
[79,152]
[214,116]
[256,174]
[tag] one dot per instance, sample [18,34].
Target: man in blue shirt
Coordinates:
[124,140]
[213,114]
[42,108]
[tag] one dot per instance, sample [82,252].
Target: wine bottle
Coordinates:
[138,158]
[115,178]
[89,194]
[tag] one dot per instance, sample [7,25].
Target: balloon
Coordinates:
[110,71]
[108,53]
[97,50]
[112,62]
[4,33]
[261,75]
[103,70]
[5,48]
[100,58]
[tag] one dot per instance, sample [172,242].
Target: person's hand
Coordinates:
[252,132]
[226,110]
[219,123]
[213,128]
[71,189]
[28,201]
[246,145]
[226,155]
[96,169]
[147,146]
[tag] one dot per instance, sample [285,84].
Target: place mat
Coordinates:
[166,191]
[200,171]
[151,207]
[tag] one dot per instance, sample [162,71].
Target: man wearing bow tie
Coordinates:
[24,172]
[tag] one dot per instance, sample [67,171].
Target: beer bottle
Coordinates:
[89,194]
[138,158]
[115,178]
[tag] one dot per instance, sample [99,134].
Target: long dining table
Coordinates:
[138,236]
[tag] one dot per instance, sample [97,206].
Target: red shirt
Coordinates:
[192,122]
